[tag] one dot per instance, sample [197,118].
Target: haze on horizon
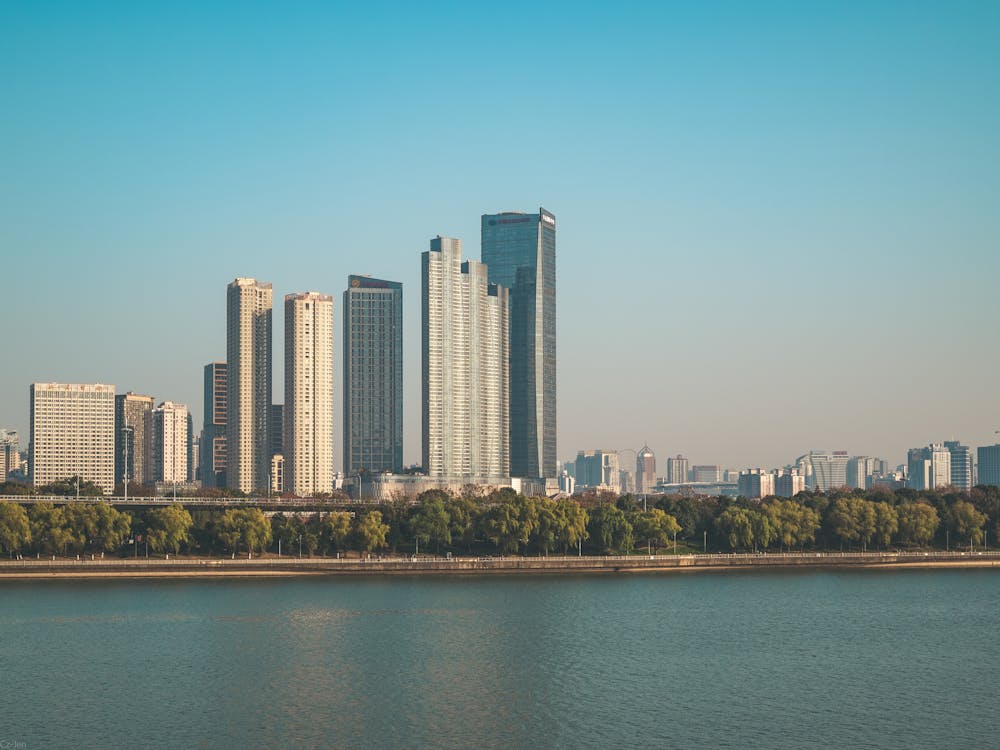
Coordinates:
[778,226]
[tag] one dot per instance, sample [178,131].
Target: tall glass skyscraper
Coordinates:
[373,375]
[520,251]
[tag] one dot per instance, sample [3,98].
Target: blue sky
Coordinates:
[779,223]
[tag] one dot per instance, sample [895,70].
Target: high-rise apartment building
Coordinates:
[677,470]
[961,464]
[248,384]
[645,470]
[928,468]
[10,453]
[134,438]
[308,407]
[520,251]
[465,367]
[277,425]
[988,461]
[213,438]
[598,469]
[756,483]
[171,442]
[789,483]
[373,375]
[73,433]
[829,470]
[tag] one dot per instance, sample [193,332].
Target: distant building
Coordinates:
[520,252]
[213,438]
[989,464]
[308,410]
[598,469]
[677,470]
[645,470]
[789,483]
[373,375]
[465,368]
[134,438]
[73,433]
[961,464]
[277,474]
[756,483]
[170,442]
[567,484]
[248,384]
[928,468]
[829,469]
[277,425]
[706,473]
[10,453]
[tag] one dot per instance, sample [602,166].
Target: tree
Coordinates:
[337,528]
[735,526]
[572,524]
[794,524]
[549,522]
[886,523]
[656,527]
[610,530]
[462,512]
[502,525]
[15,531]
[168,529]
[245,527]
[968,522]
[918,522]
[430,521]
[369,531]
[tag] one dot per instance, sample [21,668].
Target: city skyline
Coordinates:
[791,210]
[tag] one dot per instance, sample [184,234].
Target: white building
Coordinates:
[73,433]
[829,470]
[170,442]
[248,384]
[756,483]
[466,377]
[308,411]
[677,470]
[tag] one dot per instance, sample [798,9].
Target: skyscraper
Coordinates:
[829,469]
[645,470]
[988,460]
[171,442]
[520,251]
[465,367]
[213,439]
[928,468]
[248,384]
[677,470]
[73,433]
[373,375]
[133,438]
[308,408]
[961,464]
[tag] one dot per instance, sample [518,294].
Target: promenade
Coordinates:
[398,565]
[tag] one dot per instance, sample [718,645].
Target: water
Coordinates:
[799,660]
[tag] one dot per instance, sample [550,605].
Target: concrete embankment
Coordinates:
[274,566]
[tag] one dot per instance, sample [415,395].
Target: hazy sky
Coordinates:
[778,223]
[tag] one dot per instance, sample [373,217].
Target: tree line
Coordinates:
[504,522]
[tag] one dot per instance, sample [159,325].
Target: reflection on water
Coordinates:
[897,659]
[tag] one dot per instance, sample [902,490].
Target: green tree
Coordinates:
[286,530]
[794,524]
[610,529]
[546,534]
[244,527]
[462,512]
[430,522]
[572,524]
[370,532]
[918,523]
[169,528]
[656,527]
[735,526]
[968,522]
[15,531]
[502,526]
[886,524]
[763,532]
[337,528]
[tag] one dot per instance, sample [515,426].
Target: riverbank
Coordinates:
[292,566]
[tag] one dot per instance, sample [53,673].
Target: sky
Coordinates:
[778,222]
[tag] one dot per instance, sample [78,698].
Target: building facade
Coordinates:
[73,433]
[465,367]
[520,252]
[756,483]
[789,483]
[10,453]
[373,376]
[598,469]
[645,470]
[171,442]
[213,438]
[829,469]
[308,408]
[248,384]
[134,438]
[677,470]
[706,473]
[961,464]
[988,461]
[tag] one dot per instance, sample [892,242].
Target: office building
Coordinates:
[520,252]
[133,438]
[248,384]
[73,433]
[308,408]
[928,468]
[756,483]
[645,471]
[677,470]
[465,367]
[961,464]
[706,474]
[988,462]
[171,442]
[829,470]
[213,437]
[598,469]
[373,376]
